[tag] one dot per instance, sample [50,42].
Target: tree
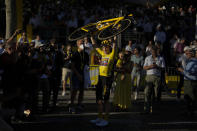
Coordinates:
[10,17]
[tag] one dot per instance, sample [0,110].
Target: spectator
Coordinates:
[130,46]
[179,48]
[173,41]
[88,45]
[153,65]
[160,36]
[181,11]
[88,49]
[149,48]
[66,70]
[122,94]
[182,64]
[38,42]
[138,62]
[79,60]
[190,83]
[23,39]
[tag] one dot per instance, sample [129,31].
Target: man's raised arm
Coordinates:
[13,36]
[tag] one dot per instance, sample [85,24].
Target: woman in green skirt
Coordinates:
[122,94]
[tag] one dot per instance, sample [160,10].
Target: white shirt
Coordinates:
[37,43]
[128,48]
[159,62]
[148,50]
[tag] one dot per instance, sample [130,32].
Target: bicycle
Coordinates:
[104,28]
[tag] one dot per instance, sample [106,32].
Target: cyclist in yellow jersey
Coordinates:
[105,81]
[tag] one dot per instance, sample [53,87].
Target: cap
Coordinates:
[187,48]
[106,43]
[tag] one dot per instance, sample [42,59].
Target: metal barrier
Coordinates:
[172,79]
[172,76]
[94,74]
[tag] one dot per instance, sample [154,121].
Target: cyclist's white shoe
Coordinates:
[96,120]
[102,123]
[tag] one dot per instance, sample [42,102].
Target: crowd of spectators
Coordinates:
[151,21]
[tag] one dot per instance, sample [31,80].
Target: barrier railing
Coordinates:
[172,78]
[94,74]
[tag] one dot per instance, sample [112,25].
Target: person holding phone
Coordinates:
[153,65]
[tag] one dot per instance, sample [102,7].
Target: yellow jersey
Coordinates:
[106,63]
